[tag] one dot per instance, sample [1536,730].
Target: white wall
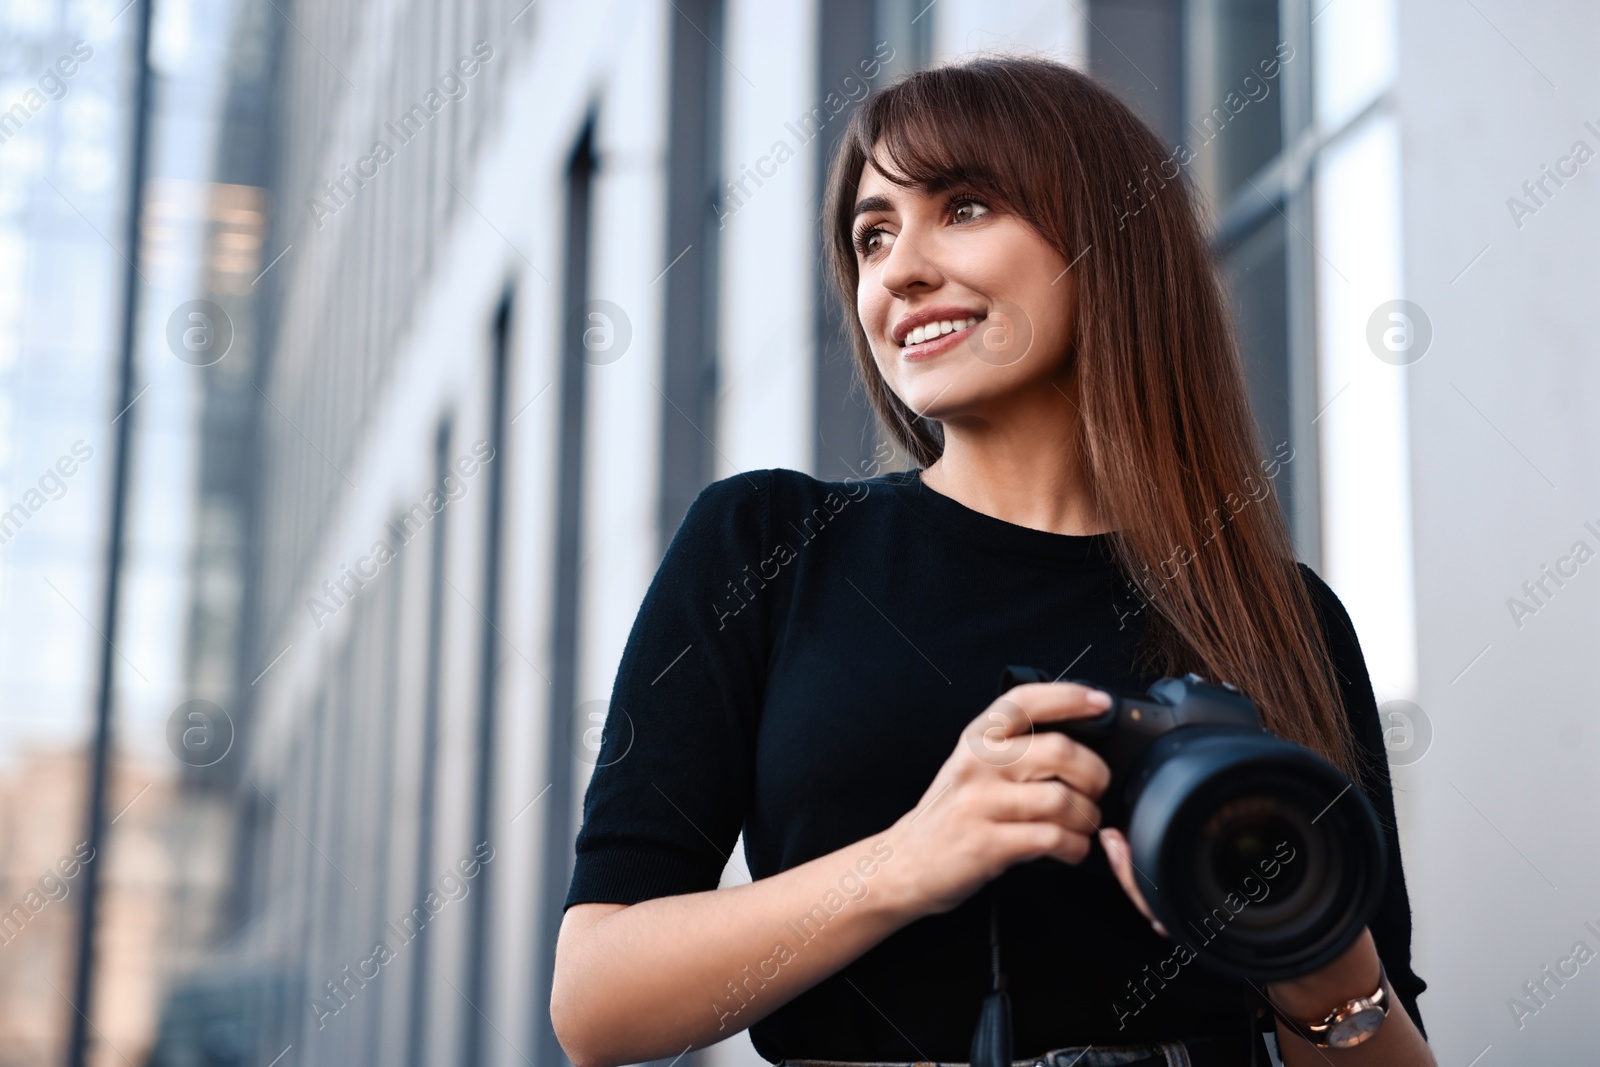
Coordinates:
[1503,478]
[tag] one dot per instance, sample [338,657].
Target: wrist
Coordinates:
[1311,997]
[891,889]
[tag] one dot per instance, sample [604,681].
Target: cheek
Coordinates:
[1054,314]
[1020,268]
[869,307]
[1051,311]
[870,316]
[888,365]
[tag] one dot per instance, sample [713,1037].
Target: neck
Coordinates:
[1021,465]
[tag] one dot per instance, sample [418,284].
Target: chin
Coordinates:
[936,396]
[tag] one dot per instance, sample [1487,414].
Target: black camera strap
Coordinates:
[991,1041]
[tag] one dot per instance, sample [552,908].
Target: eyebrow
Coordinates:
[871,203]
[938,185]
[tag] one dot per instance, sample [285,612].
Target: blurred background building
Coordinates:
[448,310]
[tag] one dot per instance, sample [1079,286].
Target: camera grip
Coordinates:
[1093,732]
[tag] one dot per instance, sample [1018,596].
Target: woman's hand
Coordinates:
[1003,796]
[1121,860]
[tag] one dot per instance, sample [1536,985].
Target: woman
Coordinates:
[1038,325]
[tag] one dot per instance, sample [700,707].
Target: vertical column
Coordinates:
[558,835]
[844,437]
[1368,336]
[428,788]
[489,650]
[689,362]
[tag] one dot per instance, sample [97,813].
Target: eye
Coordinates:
[969,206]
[868,240]
[962,207]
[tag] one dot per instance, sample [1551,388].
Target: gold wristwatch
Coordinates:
[1350,1023]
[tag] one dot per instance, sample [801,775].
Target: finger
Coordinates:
[1023,705]
[1048,799]
[1085,810]
[1030,840]
[1117,853]
[991,738]
[1052,754]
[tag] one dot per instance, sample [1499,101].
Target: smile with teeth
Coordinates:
[937,329]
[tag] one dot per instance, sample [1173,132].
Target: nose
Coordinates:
[907,268]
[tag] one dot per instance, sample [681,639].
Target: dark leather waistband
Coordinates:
[1192,1052]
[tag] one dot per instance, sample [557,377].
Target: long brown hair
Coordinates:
[1166,432]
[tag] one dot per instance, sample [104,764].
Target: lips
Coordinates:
[934,346]
[952,313]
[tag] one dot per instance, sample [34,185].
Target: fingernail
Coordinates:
[1099,699]
[1158,928]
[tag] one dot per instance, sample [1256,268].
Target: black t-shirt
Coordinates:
[802,665]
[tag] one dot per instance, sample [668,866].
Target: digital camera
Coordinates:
[1256,852]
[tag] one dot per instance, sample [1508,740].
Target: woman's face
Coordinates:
[1000,296]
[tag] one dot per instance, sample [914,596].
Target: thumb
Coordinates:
[1121,860]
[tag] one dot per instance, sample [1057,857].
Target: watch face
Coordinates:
[1355,1028]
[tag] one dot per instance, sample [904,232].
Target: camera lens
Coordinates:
[1245,836]
[1258,853]
[1263,859]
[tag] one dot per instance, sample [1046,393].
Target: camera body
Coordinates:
[1257,852]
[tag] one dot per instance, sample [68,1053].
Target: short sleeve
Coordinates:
[1391,925]
[672,777]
